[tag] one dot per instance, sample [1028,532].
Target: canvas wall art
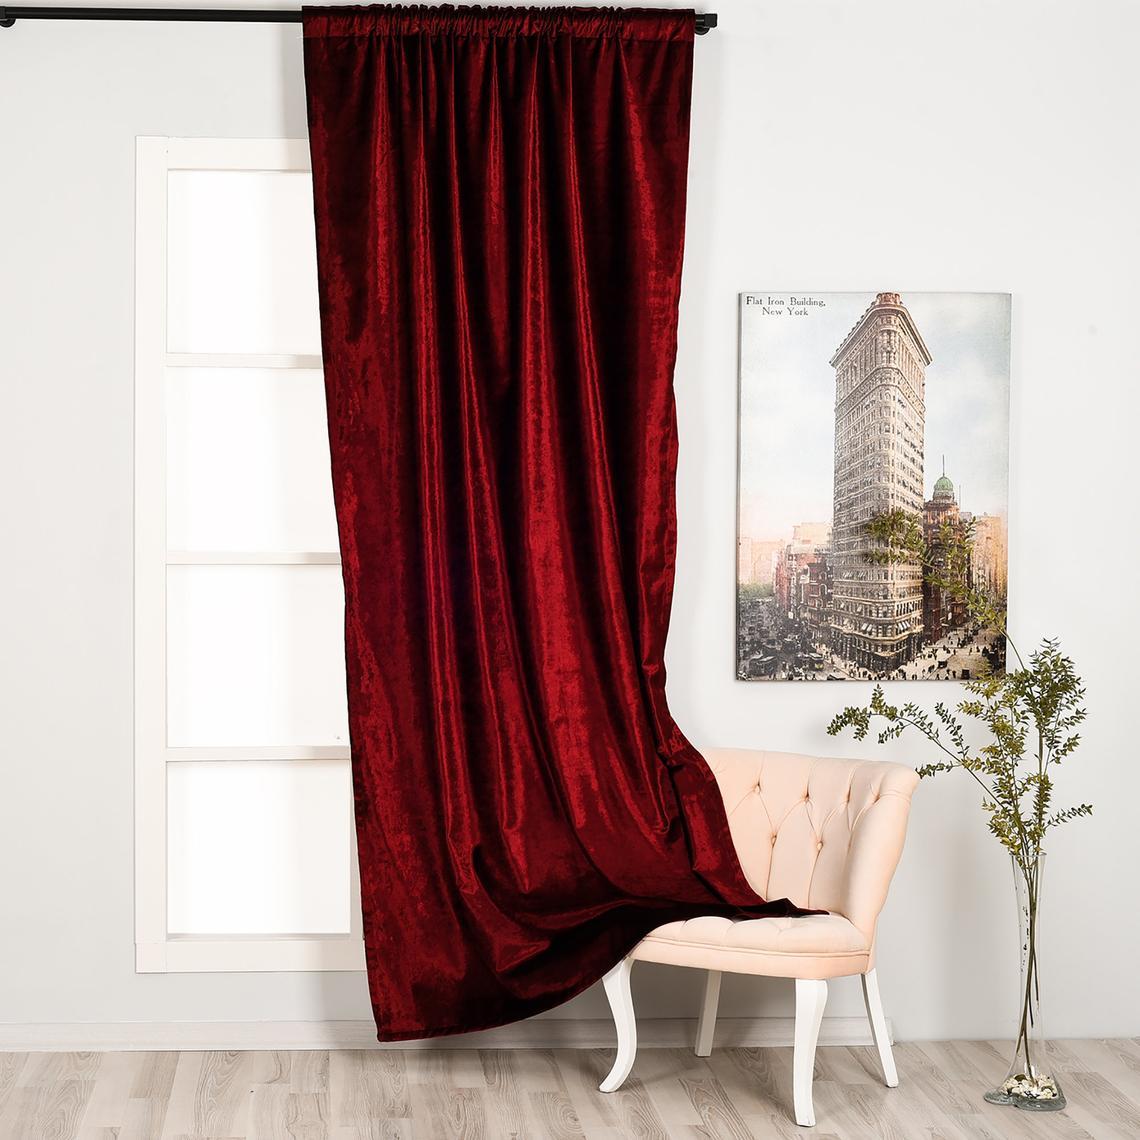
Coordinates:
[852,405]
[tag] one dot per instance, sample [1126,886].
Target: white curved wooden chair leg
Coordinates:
[706,1022]
[616,984]
[811,997]
[879,1028]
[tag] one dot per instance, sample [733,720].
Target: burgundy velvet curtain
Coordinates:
[500,202]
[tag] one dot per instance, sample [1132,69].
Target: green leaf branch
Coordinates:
[1030,713]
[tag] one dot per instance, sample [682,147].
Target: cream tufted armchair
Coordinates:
[826,834]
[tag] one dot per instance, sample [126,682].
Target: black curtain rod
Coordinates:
[9,15]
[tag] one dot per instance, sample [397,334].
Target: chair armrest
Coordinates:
[877,843]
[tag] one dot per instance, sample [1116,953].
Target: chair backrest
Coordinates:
[825,833]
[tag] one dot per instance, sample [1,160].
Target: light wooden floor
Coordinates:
[548,1095]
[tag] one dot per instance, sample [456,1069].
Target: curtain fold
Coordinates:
[500,200]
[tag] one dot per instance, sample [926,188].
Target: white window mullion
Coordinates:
[241,360]
[253,558]
[190,754]
[150,557]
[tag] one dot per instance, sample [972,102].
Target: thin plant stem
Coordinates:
[1030,712]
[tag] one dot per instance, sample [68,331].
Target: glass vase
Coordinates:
[1030,1082]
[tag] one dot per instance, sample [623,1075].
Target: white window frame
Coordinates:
[156,950]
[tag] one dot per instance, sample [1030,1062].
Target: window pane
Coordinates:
[258,847]
[248,461]
[255,655]
[242,271]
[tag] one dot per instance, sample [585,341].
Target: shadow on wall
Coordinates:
[292,65]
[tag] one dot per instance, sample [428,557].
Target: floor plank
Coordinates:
[367,1085]
[11,1067]
[541,1094]
[555,1116]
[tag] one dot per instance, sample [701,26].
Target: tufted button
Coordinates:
[819,845]
[773,839]
[757,789]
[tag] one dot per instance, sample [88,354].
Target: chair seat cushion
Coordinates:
[814,946]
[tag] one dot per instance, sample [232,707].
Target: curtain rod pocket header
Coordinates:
[481,22]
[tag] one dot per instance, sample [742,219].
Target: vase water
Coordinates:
[1030,1083]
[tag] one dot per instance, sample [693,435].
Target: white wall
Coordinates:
[884,145]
